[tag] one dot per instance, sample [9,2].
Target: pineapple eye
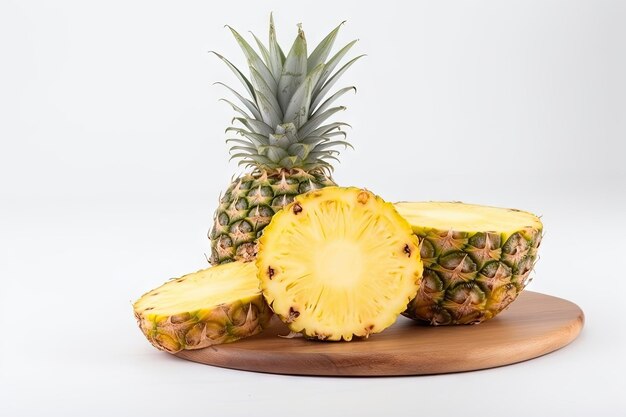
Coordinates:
[297,209]
[293,315]
[363,197]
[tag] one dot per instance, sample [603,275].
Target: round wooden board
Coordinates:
[535,324]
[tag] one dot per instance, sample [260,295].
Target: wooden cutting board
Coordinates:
[535,324]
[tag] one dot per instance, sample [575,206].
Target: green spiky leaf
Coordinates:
[331,144]
[294,70]
[238,73]
[298,109]
[255,126]
[331,65]
[260,139]
[290,161]
[329,84]
[268,106]
[276,55]
[242,142]
[335,134]
[249,149]
[264,52]
[300,150]
[326,104]
[321,52]
[317,120]
[313,140]
[249,104]
[274,153]
[236,108]
[254,60]
[240,155]
[261,160]
[324,130]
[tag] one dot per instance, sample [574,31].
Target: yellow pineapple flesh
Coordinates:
[338,263]
[212,306]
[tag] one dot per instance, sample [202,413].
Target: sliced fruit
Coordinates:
[477,259]
[338,263]
[212,306]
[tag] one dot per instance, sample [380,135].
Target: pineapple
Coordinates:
[212,306]
[338,263]
[477,259]
[283,136]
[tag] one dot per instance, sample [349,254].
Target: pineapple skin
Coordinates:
[470,277]
[198,329]
[248,205]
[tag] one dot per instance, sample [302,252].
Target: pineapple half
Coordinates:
[212,306]
[338,263]
[477,259]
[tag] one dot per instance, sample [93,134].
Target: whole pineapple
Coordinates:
[284,137]
[477,259]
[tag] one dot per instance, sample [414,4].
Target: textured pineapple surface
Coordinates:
[477,259]
[248,205]
[212,306]
[338,263]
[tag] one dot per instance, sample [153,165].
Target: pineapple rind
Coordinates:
[200,326]
[363,285]
[248,206]
[471,274]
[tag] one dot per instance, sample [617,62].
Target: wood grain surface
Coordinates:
[535,324]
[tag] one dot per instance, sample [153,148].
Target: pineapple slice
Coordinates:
[338,263]
[477,259]
[212,306]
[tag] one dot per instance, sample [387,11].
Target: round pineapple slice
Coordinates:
[338,263]
[212,306]
[477,259]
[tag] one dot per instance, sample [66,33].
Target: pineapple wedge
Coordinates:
[212,306]
[477,259]
[338,263]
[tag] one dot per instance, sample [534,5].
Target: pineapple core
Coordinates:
[338,263]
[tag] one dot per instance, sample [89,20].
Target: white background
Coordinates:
[112,157]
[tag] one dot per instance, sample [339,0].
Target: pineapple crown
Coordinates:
[285,126]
